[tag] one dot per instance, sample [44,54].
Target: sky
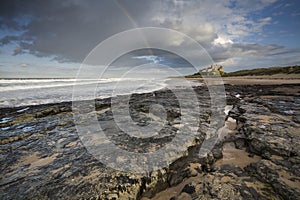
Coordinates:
[52,38]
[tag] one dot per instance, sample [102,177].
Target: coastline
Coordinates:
[276,79]
[42,148]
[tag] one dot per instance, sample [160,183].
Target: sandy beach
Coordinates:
[276,79]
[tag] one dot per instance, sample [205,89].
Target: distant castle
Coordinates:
[213,70]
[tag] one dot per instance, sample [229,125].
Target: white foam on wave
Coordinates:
[25,84]
[34,84]
[51,92]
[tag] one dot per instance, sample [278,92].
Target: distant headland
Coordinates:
[215,70]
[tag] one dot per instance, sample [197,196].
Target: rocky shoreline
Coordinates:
[258,156]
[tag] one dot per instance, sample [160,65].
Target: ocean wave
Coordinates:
[33,92]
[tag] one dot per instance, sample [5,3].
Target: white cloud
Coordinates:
[222,27]
[153,59]
[207,20]
[222,40]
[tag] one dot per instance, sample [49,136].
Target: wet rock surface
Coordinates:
[42,157]
[260,152]
[257,156]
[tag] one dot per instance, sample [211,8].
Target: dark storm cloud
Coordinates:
[67,30]
[17,50]
[9,38]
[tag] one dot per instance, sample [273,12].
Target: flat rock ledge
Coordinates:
[257,156]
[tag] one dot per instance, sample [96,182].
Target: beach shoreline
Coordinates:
[276,79]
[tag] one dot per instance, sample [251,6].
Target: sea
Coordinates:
[24,92]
